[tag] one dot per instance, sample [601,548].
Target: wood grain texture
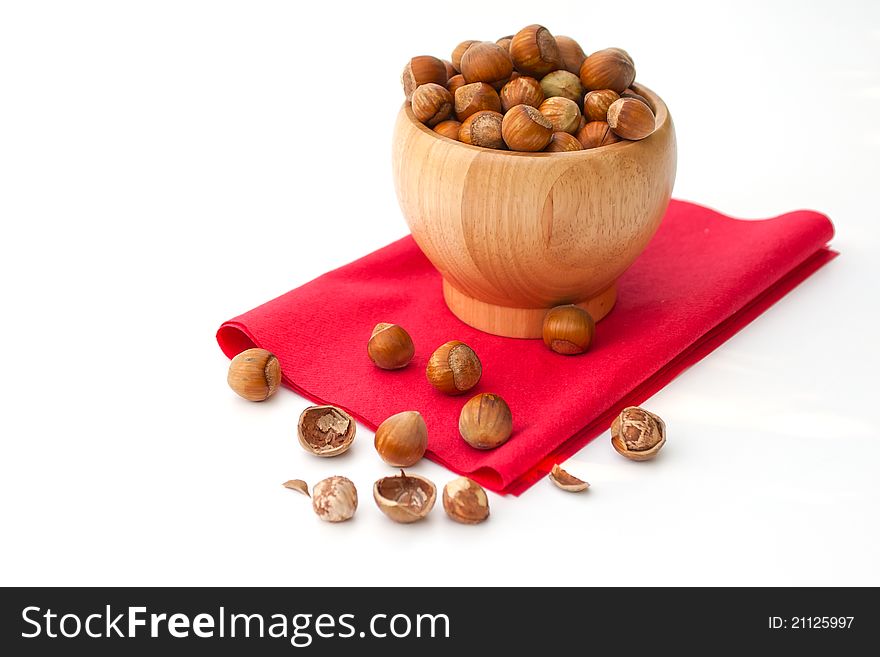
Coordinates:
[514,234]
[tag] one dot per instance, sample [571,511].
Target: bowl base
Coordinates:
[517,322]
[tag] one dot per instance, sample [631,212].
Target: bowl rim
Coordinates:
[661,118]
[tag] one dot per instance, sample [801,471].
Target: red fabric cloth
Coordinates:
[702,278]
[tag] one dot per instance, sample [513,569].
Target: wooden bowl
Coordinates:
[514,234]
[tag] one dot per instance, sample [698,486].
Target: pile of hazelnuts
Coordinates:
[529,92]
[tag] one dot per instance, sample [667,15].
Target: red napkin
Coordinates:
[702,278]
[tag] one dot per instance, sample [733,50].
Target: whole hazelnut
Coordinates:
[630,118]
[450,69]
[486,62]
[611,68]
[422,70]
[563,114]
[476,97]
[525,129]
[504,42]
[254,374]
[335,499]
[521,91]
[448,129]
[454,368]
[402,439]
[637,434]
[405,498]
[432,104]
[563,84]
[482,129]
[596,104]
[455,82]
[325,430]
[465,501]
[571,53]
[390,346]
[485,421]
[534,51]
[562,142]
[595,134]
[459,51]
[568,330]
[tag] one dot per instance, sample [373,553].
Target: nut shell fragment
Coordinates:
[638,434]
[325,430]
[465,501]
[567,481]
[405,498]
[298,485]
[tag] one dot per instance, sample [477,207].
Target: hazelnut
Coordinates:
[448,129]
[595,134]
[422,70]
[390,347]
[521,91]
[504,42]
[566,481]
[525,129]
[476,97]
[630,118]
[325,430]
[629,93]
[563,114]
[561,142]
[611,68]
[405,498]
[454,368]
[459,51]
[564,84]
[465,501]
[254,374]
[571,53]
[455,82]
[482,129]
[432,104]
[534,51]
[568,330]
[401,439]
[486,62]
[637,434]
[485,421]
[335,499]
[596,104]
[450,69]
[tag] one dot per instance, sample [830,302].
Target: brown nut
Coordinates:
[459,51]
[638,434]
[454,368]
[390,347]
[562,142]
[405,498]
[630,118]
[450,69]
[611,68]
[325,430]
[571,53]
[522,90]
[455,83]
[563,114]
[482,129]
[629,93]
[422,70]
[566,481]
[568,330]
[402,439]
[595,134]
[335,499]
[254,374]
[596,104]
[432,104]
[486,62]
[448,129]
[465,501]
[564,84]
[485,421]
[525,129]
[534,51]
[504,42]
[476,97]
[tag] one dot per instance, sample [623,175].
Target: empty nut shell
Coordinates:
[521,91]
[390,347]
[486,62]
[630,118]
[534,51]
[562,142]
[571,53]
[334,499]
[325,430]
[596,104]
[563,114]
[402,439]
[405,498]
[485,421]
[568,330]
[611,68]
[595,134]
[564,84]
[637,434]
[254,374]
[566,481]
[476,97]
[422,70]
[432,103]
[454,368]
[482,129]
[525,129]
[465,501]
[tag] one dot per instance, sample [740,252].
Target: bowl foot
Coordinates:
[517,322]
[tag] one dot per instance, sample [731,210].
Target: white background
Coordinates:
[167,165]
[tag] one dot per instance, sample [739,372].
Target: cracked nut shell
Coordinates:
[465,501]
[402,439]
[568,330]
[454,368]
[335,499]
[485,421]
[638,434]
[567,481]
[390,347]
[405,498]
[254,374]
[325,430]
